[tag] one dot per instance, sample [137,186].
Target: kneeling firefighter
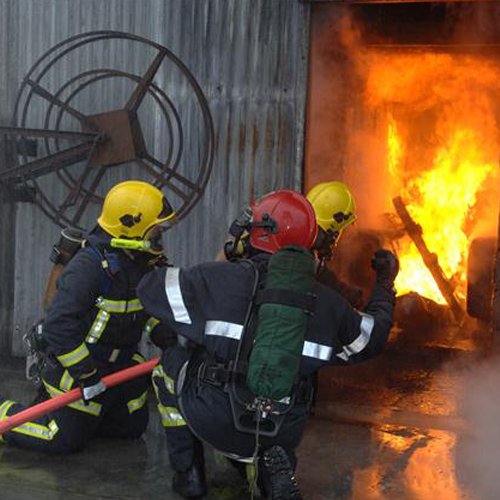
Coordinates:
[262,326]
[94,323]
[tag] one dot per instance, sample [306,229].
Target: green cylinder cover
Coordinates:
[279,335]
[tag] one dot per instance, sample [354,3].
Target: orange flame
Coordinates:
[442,148]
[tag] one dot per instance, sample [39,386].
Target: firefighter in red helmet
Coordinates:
[335,210]
[260,328]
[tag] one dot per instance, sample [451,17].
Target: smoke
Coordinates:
[354,89]
[478,449]
[339,146]
[477,23]
[328,103]
[346,146]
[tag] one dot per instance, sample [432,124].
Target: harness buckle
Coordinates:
[114,355]
[214,374]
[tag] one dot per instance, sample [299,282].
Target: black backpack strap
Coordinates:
[248,334]
[247,416]
[110,264]
[305,301]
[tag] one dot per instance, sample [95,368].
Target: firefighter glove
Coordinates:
[91,385]
[386,266]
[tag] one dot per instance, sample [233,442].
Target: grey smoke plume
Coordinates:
[478,451]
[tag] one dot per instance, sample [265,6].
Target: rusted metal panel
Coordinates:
[249,57]
[7,208]
[7,231]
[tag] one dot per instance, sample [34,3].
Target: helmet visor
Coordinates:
[155,239]
[167,212]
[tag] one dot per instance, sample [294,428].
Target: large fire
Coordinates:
[443,145]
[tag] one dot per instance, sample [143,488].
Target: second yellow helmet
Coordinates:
[333,205]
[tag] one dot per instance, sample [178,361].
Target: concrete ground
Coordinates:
[419,422]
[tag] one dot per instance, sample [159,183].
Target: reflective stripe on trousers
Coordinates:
[92,408]
[45,432]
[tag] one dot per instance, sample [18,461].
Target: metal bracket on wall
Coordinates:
[14,189]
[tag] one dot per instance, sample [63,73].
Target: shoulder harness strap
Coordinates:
[110,264]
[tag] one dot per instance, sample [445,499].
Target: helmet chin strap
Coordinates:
[147,259]
[236,248]
[325,243]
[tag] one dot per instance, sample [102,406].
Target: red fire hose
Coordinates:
[66,398]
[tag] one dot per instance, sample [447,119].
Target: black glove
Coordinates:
[386,266]
[91,385]
[163,337]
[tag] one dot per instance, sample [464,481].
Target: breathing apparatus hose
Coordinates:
[255,457]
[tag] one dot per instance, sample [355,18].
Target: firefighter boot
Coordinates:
[278,481]
[190,483]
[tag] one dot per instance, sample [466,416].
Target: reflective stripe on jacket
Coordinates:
[208,304]
[94,314]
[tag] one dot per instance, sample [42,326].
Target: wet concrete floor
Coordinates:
[415,423]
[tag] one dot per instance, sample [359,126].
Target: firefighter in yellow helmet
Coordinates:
[94,323]
[335,209]
[134,210]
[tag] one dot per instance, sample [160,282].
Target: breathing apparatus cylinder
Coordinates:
[281,323]
[70,241]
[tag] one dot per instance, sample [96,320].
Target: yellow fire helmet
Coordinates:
[333,205]
[132,209]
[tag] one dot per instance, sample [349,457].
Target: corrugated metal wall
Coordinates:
[249,57]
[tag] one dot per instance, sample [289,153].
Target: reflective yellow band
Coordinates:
[137,404]
[4,408]
[118,306]
[106,308]
[45,432]
[169,382]
[91,407]
[170,416]
[66,381]
[158,371]
[150,325]
[98,326]
[73,357]
[138,358]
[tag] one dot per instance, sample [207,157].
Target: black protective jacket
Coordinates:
[95,319]
[208,303]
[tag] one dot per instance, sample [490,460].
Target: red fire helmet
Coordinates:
[282,218]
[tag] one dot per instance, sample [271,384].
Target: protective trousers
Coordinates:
[208,411]
[120,412]
[184,449]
